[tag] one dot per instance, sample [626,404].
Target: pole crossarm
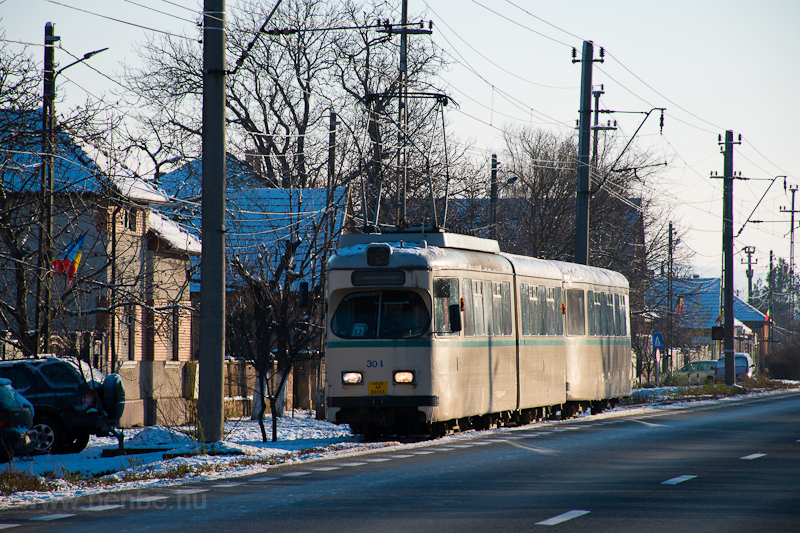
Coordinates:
[611,169]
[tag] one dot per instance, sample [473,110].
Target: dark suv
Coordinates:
[71,399]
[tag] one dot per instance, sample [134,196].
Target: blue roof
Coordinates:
[73,170]
[186,182]
[260,222]
[701,302]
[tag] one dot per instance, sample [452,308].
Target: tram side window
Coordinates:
[551,311]
[445,294]
[488,308]
[529,303]
[590,313]
[498,315]
[559,314]
[576,317]
[469,313]
[599,317]
[507,315]
[622,315]
[610,324]
[542,310]
[524,309]
[477,301]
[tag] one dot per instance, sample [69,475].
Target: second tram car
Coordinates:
[429,331]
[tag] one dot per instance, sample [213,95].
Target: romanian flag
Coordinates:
[680,305]
[769,314]
[67,262]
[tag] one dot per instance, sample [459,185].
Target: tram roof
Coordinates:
[573,272]
[440,239]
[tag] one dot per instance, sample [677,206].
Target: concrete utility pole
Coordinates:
[493,191]
[667,357]
[770,282]
[46,222]
[750,250]
[212,277]
[792,296]
[584,153]
[402,120]
[727,246]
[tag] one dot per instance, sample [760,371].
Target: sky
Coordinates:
[715,65]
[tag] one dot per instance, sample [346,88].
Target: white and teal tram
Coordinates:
[428,331]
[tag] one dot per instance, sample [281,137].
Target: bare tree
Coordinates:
[276,300]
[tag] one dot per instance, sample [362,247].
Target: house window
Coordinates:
[129,219]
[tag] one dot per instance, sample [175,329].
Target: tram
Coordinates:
[430,332]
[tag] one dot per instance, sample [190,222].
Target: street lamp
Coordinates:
[48,148]
[494,191]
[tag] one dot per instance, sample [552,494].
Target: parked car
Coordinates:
[696,373]
[72,400]
[17,436]
[742,363]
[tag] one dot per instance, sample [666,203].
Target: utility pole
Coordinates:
[750,250]
[584,143]
[667,357]
[212,277]
[727,246]
[43,312]
[44,286]
[402,120]
[792,296]
[493,190]
[597,128]
[770,281]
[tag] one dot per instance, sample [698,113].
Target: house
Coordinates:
[270,232]
[696,308]
[127,307]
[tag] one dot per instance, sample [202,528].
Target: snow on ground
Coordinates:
[241,453]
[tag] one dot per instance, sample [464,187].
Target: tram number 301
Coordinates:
[372,363]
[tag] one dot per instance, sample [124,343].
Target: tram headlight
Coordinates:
[352,378]
[404,376]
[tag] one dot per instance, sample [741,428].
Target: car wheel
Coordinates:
[49,435]
[113,396]
[77,444]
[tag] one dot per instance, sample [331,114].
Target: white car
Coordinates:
[743,364]
[696,373]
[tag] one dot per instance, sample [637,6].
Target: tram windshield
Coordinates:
[390,314]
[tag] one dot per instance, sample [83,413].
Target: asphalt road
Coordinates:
[731,466]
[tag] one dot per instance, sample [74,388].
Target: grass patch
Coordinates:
[12,480]
[721,390]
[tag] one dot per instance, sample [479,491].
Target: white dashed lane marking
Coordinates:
[327,468]
[148,499]
[676,480]
[189,491]
[224,485]
[296,474]
[8,526]
[752,456]
[100,508]
[259,479]
[50,517]
[563,517]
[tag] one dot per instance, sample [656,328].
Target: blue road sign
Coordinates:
[658,341]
